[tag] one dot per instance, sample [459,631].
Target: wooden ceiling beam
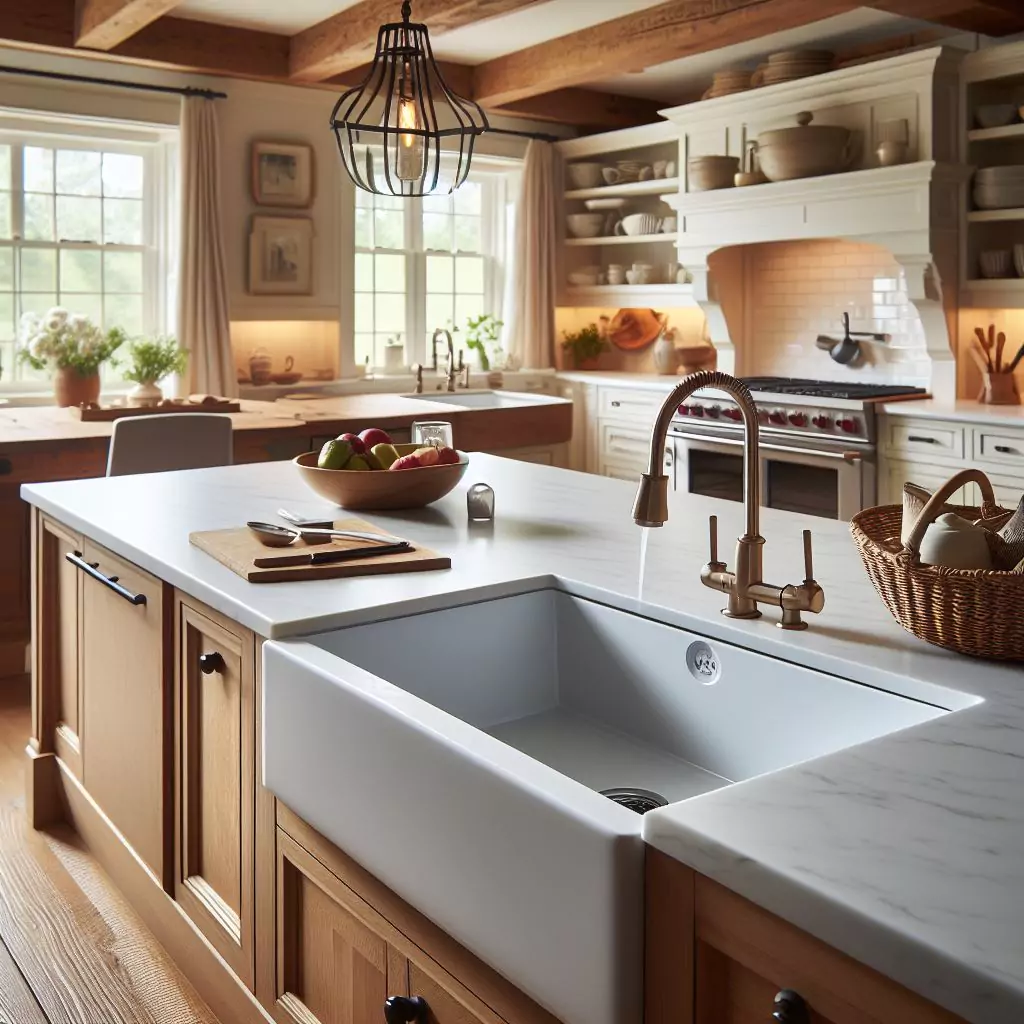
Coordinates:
[584,108]
[656,35]
[102,24]
[990,17]
[349,38]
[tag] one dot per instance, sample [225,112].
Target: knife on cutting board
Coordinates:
[327,557]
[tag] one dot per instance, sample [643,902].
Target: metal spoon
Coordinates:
[275,536]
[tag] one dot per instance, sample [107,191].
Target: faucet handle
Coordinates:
[713,541]
[808,558]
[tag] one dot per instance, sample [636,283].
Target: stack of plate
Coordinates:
[999,188]
[790,65]
[725,83]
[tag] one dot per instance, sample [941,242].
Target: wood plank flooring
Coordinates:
[72,951]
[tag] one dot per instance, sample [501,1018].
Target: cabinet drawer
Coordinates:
[898,473]
[996,446]
[634,405]
[934,438]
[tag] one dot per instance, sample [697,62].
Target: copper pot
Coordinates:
[72,388]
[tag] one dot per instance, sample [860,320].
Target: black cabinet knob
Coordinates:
[210,663]
[401,1010]
[790,1008]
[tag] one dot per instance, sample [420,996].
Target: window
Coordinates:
[77,229]
[423,263]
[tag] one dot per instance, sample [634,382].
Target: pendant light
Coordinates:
[420,115]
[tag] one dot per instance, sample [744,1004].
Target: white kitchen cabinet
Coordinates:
[540,454]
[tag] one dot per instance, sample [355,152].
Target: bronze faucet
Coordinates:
[450,371]
[417,369]
[744,586]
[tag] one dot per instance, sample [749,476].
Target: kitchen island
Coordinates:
[903,853]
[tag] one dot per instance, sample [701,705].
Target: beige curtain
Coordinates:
[531,333]
[203,324]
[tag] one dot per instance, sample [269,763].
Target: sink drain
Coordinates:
[639,800]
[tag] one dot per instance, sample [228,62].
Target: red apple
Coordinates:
[358,445]
[374,435]
[447,457]
[428,456]
[406,462]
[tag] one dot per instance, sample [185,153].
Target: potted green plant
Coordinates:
[73,347]
[482,334]
[584,346]
[149,361]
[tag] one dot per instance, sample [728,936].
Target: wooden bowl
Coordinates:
[381,489]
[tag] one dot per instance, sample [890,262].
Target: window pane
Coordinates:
[389,229]
[469,274]
[80,271]
[437,231]
[38,164]
[5,214]
[78,173]
[390,273]
[437,204]
[37,302]
[7,330]
[440,276]
[364,228]
[122,175]
[124,311]
[364,313]
[439,311]
[122,271]
[467,234]
[122,221]
[467,197]
[39,218]
[364,272]
[6,269]
[467,306]
[39,270]
[84,305]
[363,348]
[7,360]
[5,167]
[389,314]
[78,219]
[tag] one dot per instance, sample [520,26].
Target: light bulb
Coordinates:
[410,147]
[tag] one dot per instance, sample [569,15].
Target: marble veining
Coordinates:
[906,852]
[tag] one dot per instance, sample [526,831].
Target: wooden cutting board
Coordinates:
[238,547]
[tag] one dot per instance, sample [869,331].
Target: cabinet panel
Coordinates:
[925,437]
[124,756]
[443,1006]
[634,405]
[898,473]
[1000,446]
[215,794]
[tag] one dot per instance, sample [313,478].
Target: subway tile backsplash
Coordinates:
[798,290]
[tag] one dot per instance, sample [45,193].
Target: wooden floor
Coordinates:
[72,951]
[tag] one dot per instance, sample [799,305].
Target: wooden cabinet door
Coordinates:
[446,1004]
[215,798]
[124,755]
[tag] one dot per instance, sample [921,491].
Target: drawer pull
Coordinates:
[790,1008]
[401,1010]
[616,403]
[93,569]
[210,663]
[1005,449]
[918,439]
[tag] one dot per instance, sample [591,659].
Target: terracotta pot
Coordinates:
[588,364]
[71,388]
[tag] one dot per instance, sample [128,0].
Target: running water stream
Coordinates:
[645,533]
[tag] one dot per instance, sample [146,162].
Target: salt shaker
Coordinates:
[480,503]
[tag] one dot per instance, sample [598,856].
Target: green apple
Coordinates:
[335,455]
[358,463]
[385,454]
[372,461]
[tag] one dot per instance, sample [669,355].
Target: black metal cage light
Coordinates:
[420,116]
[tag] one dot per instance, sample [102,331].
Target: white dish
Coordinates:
[638,224]
[585,175]
[585,225]
[995,115]
[604,204]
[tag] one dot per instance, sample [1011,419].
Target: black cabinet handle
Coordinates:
[616,404]
[1005,449]
[917,439]
[210,663]
[92,569]
[790,1008]
[401,1010]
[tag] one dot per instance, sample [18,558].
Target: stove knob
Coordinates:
[714,411]
[798,419]
[732,413]
[849,425]
[777,416]
[683,410]
[822,422]
[762,416]
[697,410]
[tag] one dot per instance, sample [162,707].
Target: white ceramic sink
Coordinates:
[483,399]
[458,754]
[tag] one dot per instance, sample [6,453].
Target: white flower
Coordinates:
[58,314]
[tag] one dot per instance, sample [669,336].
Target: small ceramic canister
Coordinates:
[480,503]
[616,273]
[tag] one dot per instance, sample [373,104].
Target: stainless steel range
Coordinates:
[818,442]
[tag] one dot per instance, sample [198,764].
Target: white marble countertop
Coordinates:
[963,410]
[906,853]
[612,378]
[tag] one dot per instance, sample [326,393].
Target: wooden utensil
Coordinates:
[1000,343]
[985,346]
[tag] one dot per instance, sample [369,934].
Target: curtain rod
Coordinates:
[539,136]
[187,90]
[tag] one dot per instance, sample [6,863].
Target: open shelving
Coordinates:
[628,294]
[988,216]
[627,190]
[1009,131]
[623,239]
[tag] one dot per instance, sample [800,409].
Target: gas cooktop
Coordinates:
[829,388]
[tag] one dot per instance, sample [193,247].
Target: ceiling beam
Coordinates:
[349,38]
[990,17]
[584,108]
[637,41]
[102,24]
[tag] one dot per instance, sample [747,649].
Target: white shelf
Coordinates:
[1009,131]
[995,293]
[983,216]
[652,187]
[628,294]
[629,239]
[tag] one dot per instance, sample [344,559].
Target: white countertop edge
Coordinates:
[961,411]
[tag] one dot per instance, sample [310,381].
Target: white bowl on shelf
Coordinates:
[585,277]
[608,203]
[639,224]
[585,225]
[999,197]
[995,115]
[584,175]
[995,263]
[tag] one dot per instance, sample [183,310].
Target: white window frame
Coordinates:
[159,206]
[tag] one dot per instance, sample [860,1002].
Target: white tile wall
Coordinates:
[798,290]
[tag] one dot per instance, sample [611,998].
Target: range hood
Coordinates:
[913,210]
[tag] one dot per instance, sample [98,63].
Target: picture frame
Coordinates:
[282,174]
[281,256]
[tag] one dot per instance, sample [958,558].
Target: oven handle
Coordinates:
[846,456]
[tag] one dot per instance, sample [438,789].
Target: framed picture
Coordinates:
[281,256]
[282,174]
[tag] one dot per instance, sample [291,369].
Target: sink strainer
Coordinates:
[639,800]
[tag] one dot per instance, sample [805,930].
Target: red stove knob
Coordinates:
[777,416]
[732,413]
[822,422]
[683,410]
[798,419]
[713,411]
[697,410]
[849,425]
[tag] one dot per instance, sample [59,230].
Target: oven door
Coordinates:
[826,481]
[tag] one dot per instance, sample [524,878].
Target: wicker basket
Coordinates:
[974,611]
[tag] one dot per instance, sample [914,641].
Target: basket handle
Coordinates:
[933,508]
